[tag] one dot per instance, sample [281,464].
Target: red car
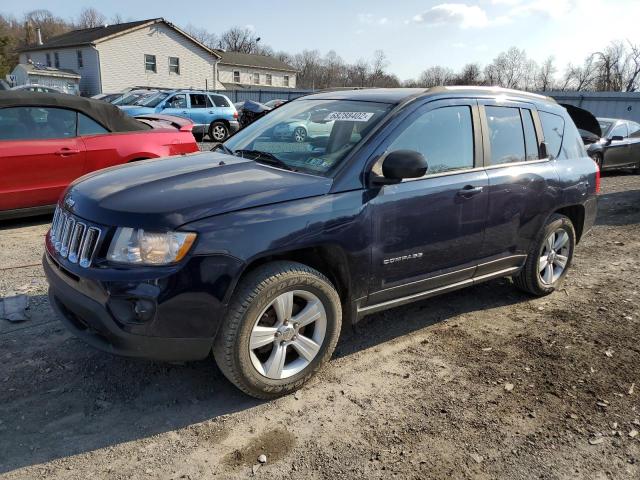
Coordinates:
[49,140]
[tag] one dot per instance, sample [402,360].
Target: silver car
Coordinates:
[302,128]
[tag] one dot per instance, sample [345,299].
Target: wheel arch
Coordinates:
[575,213]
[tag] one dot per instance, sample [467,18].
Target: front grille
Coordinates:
[73,239]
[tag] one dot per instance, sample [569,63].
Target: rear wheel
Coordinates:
[548,258]
[218,131]
[283,325]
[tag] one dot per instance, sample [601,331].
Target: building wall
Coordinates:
[225,75]
[624,105]
[89,72]
[122,60]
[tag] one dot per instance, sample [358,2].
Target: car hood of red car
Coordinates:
[166,193]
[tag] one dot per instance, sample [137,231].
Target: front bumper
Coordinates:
[88,309]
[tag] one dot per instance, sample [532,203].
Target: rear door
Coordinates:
[634,141]
[40,154]
[201,110]
[521,184]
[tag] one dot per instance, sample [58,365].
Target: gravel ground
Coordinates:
[481,383]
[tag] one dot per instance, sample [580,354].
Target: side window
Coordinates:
[177,101]
[553,128]
[530,138]
[506,136]
[572,144]
[236,76]
[88,126]
[198,100]
[634,130]
[219,101]
[444,136]
[619,130]
[36,123]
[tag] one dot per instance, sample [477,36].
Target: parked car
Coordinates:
[303,127]
[49,140]
[261,250]
[134,97]
[275,103]
[36,88]
[249,111]
[619,145]
[211,113]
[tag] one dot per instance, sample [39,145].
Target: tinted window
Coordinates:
[572,144]
[219,101]
[553,128]
[506,136]
[444,136]
[199,100]
[88,126]
[634,129]
[619,130]
[35,123]
[530,139]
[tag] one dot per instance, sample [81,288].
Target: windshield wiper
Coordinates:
[222,146]
[265,157]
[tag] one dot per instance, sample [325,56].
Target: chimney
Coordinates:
[39,35]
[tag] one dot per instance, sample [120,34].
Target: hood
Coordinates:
[135,110]
[166,193]
[583,119]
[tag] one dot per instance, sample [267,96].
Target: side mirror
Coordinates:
[617,138]
[401,164]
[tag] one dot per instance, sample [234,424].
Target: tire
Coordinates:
[254,318]
[537,281]
[218,131]
[299,135]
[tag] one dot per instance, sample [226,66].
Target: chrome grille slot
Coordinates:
[74,239]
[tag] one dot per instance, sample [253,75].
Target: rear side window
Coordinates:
[36,123]
[634,130]
[619,130]
[219,101]
[530,138]
[506,135]
[199,100]
[88,126]
[444,136]
[553,128]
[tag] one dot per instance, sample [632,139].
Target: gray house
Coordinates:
[241,70]
[150,53]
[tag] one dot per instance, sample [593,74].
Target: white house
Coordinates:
[64,80]
[146,53]
[242,70]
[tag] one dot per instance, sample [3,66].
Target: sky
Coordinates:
[414,34]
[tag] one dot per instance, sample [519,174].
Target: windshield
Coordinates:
[153,100]
[312,136]
[605,125]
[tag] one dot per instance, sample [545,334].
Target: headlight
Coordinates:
[136,246]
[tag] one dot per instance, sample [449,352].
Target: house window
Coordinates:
[269,79]
[56,59]
[80,61]
[236,76]
[150,63]
[174,65]
[285,80]
[256,78]
[48,59]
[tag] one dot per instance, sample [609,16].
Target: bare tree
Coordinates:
[202,35]
[436,76]
[580,78]
[239,39]
[545,77]
[90,18]
[49,25]
[633,73]
[510,69]
[378,67]
[471,74]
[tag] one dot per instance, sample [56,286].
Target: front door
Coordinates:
[428,232]
[176,105]
[40,155]
[618,152]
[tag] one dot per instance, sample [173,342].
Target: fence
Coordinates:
[624,105]
[262,96]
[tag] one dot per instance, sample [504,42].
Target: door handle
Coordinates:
[65,152]
[469,191]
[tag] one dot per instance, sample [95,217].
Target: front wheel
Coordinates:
[283,325]
[218,132]
[299,134]
[548,258]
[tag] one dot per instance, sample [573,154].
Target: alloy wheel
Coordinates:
[219,133]
[299,134]
[288,334]
[554,257]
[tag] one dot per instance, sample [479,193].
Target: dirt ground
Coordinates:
[482,383]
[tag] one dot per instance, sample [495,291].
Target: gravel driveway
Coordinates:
[481,383]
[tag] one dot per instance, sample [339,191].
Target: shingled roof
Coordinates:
[90,36]
[251,60]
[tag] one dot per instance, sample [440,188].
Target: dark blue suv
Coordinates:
[261,250]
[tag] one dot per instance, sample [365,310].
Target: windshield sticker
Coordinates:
[349,116]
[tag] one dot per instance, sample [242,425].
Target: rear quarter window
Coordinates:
[562,137]
[219,101]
